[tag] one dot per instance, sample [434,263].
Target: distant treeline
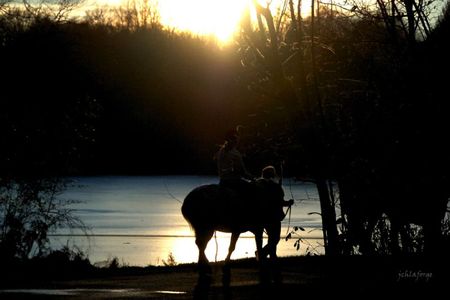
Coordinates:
[109,99]
[117,93]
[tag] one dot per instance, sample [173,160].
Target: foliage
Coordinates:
[133,15]
[66,257]
[402,19]
[114,264]
[29,211]
[348,89]
[170,262]
[296,235]
[28,11]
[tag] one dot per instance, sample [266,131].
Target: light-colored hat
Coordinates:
[269,172]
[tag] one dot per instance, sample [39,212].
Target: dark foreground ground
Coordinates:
[302,278]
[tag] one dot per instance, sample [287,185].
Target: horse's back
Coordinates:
[220,208]
[200,195]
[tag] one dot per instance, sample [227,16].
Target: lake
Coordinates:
[138,220]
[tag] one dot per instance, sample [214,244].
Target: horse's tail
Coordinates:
[188,208]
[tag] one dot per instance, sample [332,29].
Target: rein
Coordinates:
[171,195]
[289,210]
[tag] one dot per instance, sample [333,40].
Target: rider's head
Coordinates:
[232,137]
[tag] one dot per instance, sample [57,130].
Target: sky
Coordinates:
[213,18]
[216,18]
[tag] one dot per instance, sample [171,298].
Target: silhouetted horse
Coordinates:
[211,208]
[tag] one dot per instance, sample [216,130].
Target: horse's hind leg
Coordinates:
[202,238]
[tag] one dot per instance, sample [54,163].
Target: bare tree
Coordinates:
[281,55]
[58,11]
[133,15]
[413,19]
[30,209]
[292,62]
[26,13]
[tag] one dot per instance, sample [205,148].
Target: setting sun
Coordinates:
[217,18]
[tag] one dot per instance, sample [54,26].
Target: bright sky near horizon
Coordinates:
[219,19]
[216,18]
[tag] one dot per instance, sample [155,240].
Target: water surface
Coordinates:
[139,220]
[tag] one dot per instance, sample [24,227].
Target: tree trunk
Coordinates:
[330,233]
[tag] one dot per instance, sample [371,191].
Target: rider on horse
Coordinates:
[232,171]
[234,175]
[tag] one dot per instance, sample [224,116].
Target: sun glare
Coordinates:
[217,18]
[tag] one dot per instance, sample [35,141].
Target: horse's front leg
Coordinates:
[233,241]
[226,272]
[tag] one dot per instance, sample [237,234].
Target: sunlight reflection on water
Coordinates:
[144,251]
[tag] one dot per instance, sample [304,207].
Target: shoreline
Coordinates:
[310,274]
[139,250]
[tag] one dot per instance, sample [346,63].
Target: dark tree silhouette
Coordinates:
[349,98]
